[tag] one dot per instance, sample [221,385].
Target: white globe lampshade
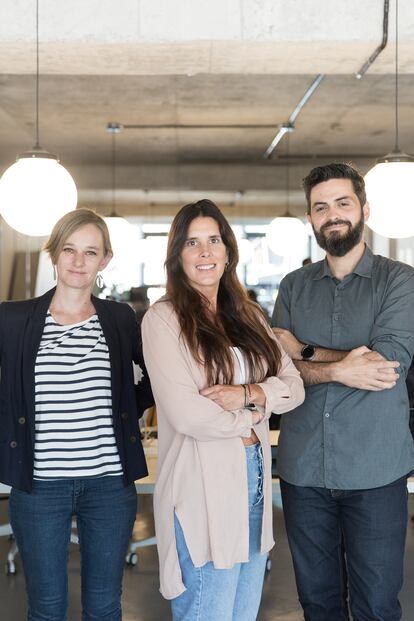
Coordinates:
[35,192]
[245,250]
[389,187]
[122,267]
[120,232]
[287,236]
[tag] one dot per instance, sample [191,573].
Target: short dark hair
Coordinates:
[335,170]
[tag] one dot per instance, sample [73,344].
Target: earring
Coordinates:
[226,266]
[99,281]
[54,272]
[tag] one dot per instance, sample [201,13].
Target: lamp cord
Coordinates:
[396,148]
[37,145]
[113,173]
[287,174]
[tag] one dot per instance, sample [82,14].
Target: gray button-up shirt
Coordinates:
[340,437]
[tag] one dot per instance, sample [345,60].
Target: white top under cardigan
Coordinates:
[202,473]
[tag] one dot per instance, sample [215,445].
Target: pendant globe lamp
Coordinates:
[389,183]
[245,250]
[36,190]
[286,235]
[120,230]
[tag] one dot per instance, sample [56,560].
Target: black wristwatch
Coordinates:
[307,352]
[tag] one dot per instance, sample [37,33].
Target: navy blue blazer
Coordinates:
[21,328]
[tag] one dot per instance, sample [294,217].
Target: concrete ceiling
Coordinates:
[194,62]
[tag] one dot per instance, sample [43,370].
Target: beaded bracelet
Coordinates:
[248,397]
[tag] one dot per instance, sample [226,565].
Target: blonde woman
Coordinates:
[69,439]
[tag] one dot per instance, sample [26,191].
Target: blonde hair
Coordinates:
[71,222]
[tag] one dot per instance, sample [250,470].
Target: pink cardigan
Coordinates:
[201,459]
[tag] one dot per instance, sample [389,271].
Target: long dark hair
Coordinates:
[238,322]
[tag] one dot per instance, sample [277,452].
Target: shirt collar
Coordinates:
[362,268]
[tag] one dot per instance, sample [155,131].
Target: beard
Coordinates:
[337,244]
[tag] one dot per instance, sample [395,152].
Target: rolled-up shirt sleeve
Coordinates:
[392,333]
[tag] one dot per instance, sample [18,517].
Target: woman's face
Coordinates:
[204,256]
[81,258]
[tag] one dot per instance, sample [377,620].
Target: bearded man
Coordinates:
[344,454]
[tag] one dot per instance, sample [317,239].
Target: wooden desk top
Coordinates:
[274,437]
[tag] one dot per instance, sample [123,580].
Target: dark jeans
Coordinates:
[41,522]
[373,523]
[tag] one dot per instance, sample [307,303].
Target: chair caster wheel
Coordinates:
[10,568]
[131,559]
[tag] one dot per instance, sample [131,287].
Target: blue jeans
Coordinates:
[373,523]
[226,594]
[41,522]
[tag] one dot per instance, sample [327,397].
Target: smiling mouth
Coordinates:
[335,226]
[204,268]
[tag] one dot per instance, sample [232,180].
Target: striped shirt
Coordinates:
[74,434]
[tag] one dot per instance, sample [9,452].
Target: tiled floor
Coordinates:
[141,600]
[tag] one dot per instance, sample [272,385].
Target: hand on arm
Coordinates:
[360,368]
[173,375]
[367,370]
[232,397]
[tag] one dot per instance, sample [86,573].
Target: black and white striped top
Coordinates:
[74,434]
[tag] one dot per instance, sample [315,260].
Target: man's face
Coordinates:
[336,216]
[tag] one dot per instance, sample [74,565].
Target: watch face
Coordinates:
[308,352]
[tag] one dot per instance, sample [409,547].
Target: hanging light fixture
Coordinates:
[245,250]
[389,183]
[120,230]
[286,235]
[36,190]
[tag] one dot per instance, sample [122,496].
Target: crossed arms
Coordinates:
[360,368]
[379,362]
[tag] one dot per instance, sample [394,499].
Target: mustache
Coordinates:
[333,222]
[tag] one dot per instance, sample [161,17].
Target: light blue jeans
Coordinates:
[226,594]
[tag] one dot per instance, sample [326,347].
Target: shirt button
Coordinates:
[13,444]
[336,317]
[124,415]
[22,420]
[327,414]
[133,439]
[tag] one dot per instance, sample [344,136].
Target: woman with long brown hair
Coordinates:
[217,373]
